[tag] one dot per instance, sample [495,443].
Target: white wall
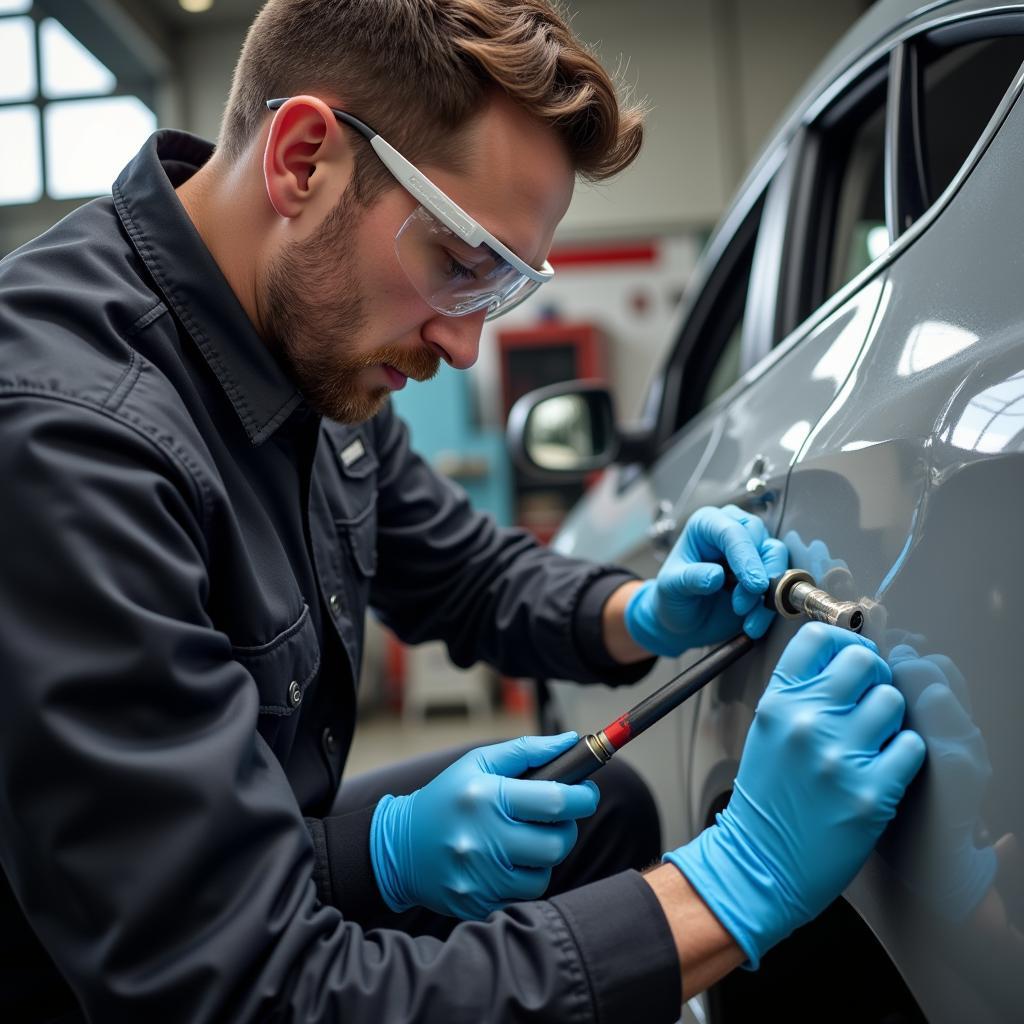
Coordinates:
[718,73]
[207,60]
[636,334]
[666,54]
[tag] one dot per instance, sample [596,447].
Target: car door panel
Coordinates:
[710,462]
[915,479]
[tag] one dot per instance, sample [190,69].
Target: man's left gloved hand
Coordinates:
[686,606]
[477,837]
[937,856]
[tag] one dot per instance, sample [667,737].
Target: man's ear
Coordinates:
[308,161]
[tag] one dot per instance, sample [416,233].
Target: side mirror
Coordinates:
[564,430]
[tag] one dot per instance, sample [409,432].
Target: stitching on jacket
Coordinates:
[235,393]
[163,442]
[123,387]
[572,962]
[259,649]
[145,320]
[321,860]
[277,419]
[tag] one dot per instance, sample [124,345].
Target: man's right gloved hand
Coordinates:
[823,768]
[477,838]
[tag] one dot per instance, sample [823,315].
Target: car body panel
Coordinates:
[713,456]
[915,478]
[892,425]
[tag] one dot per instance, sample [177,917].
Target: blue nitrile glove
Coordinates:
[477,838]
[816,786]
[936,855]
[814,558]
[685,605]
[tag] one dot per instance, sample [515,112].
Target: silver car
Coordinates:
[848,363]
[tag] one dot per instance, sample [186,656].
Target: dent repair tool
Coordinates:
[793,594]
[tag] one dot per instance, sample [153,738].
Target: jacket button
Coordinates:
[330,741]
[294,693]
[334,603]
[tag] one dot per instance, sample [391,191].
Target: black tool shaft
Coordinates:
[793,594]
[653,708]
[586,756]
[576,764]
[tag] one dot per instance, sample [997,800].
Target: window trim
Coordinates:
[803,278]
[706,301]
[763,323]
[917,30]
[661,402]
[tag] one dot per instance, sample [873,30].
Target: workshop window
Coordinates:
[68,125]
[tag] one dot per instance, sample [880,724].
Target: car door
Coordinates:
[914,479]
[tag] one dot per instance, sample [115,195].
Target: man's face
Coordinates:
[341,311]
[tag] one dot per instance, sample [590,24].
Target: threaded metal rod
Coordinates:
[820,605]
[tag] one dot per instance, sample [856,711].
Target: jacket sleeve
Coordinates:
[447,572]
[148,833]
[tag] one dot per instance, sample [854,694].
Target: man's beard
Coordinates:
[315,341]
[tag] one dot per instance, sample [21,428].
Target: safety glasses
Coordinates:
[455,264]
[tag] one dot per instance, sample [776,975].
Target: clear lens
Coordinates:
[455,278]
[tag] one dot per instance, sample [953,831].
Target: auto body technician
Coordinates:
[204,487]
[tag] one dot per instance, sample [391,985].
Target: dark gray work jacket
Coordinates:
[188,553]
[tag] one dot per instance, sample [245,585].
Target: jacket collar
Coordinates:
[260,391]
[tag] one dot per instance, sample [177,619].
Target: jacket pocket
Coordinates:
[284,666]
[359,535]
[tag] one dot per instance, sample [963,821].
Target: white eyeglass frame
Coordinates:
[445,209]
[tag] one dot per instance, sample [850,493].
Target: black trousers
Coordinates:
[623,833]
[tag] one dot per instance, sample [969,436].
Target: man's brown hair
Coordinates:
[418,70]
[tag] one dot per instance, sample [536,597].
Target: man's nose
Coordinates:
[456,337]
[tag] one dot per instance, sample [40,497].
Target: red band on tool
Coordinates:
[619,732]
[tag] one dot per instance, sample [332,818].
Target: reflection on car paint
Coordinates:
[930,343]
[993,420]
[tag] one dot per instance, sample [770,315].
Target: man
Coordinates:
[205,486]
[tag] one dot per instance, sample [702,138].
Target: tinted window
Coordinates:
[710,350]
[961,88]
[859,233]
[843,205]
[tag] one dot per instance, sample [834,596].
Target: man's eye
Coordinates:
[456,269]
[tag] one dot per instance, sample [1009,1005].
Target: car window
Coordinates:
[859,232]
[961,87]
[710,348]
[843,225]
[726,370]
